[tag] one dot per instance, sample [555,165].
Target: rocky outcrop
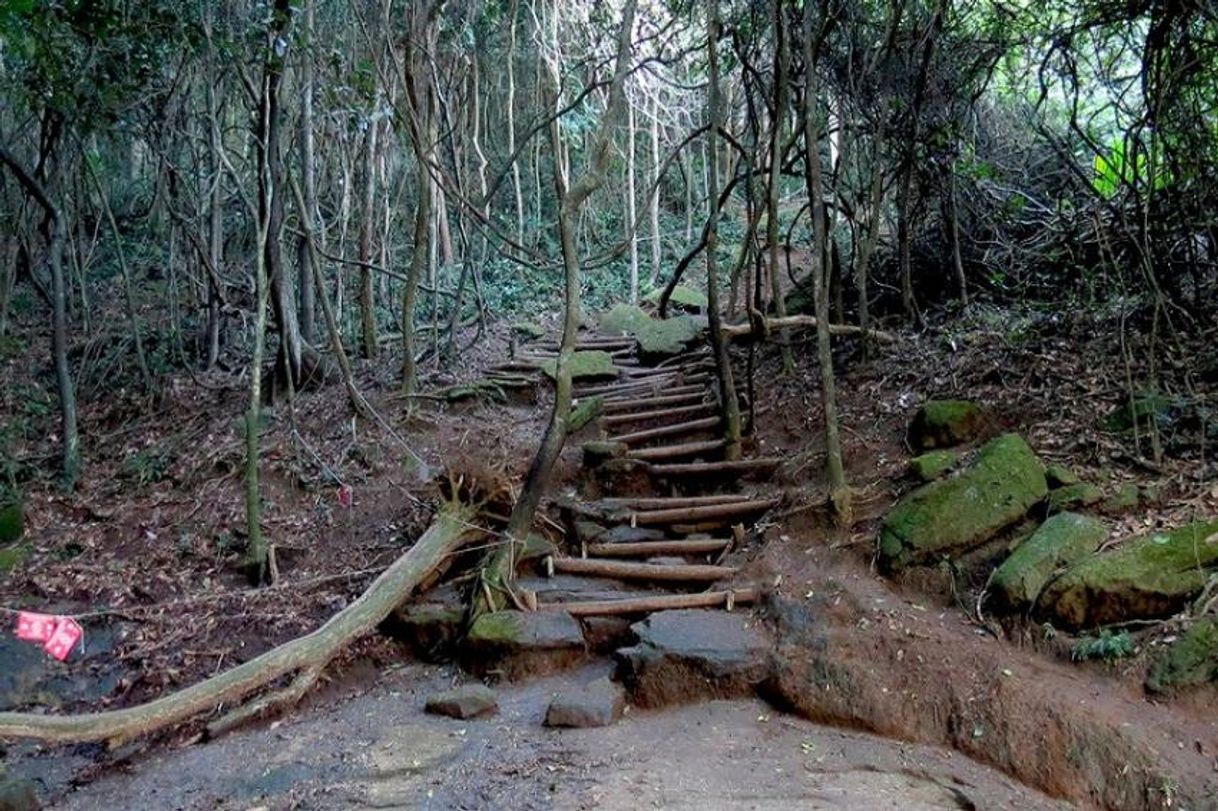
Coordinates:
[1057,543]
[1147,577]
[964,511]
[944,423]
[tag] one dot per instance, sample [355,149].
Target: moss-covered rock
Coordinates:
[1125,499]
[933,465]
[1060,476]
[671,336]
[11,556]
[966,510]
[682,296]
[590,365]
[623,319]
[1147,577]
[943,423]
[528,329]
[585,412]
[1190,661]
[599,451]
[12,521]
[518,643]
[1073,497]
[1058,542]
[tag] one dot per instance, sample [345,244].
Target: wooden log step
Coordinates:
[645,605]
[635,549]
[653,371]
[677,451]
[516,366]
[665,388]
[666,502]
[649,403]
[633,387]
[707,512]
[711,468]
[659,414]
[650,572]
[587,344]
[693,426]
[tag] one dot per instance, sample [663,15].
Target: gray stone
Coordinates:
[515,644]
[430,629]
[467,701]
[598,704]
[692,654]
[624,533]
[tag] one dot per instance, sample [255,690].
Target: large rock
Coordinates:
[657,338]
[598,704]
[944,423]
[1190,661]
[590,365]
[694,654]
[1074,496]
[682,296]
[1057,543]
[1147,577]
[964,511]
[515,644]
[430,629]
[466,701]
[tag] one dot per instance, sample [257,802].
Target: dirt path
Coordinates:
[377,749]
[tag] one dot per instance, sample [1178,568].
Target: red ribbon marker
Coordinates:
[59,634]
[346,496]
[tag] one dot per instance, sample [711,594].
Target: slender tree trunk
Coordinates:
[307,290]
[56,236]
[781,69]
[839,492]
[517,192]
[723,361]
[367,295]
[215,232]
[953,232]
[631,232]
[653,201]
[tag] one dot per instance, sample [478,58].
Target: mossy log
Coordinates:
[305,656]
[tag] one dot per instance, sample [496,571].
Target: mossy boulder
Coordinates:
[944,423]
[529,329]
[623,319]
[585,412]
[1060,476]
[660,339]
[682,296]
[1125,499]
[933,465]
[1190,661]
[520,643]
[966,510]
[1147,577]
[599,451]
[1057,543]
[1074,496]
[12,521]
[590,365]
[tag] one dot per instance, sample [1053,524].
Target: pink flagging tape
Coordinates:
[58,634]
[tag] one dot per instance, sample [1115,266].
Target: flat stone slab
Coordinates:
[598,704]
[694,654]
[467,701]
[515,644]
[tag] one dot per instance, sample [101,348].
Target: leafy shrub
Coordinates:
[1107,646]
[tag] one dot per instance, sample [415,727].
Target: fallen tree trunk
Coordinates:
[737,330]
[305,656]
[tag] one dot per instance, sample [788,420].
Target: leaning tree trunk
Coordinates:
[502,566]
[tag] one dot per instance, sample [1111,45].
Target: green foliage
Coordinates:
[1118,170]
[1106,646]
[147,466]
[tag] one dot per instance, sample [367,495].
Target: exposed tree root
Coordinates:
[305,656]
